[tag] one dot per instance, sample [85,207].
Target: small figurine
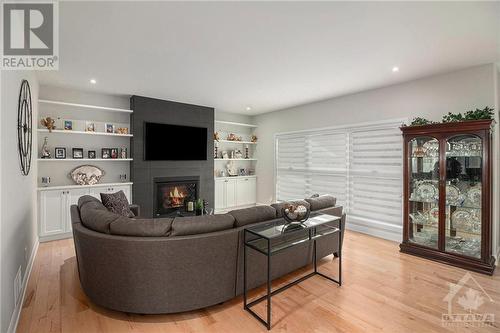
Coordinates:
[216,136]
[49,123]
[45,149]
[254,138]
[238,154]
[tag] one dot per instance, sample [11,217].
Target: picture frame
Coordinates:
[77,153]
[60,153]
[105,153]
[91,154]
[68,125]
[109,128]
[114,152]
[89,126]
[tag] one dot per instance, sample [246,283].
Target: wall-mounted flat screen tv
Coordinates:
[165,142]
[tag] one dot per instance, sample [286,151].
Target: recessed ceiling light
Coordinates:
[93,81]
[395,69]
[248,108]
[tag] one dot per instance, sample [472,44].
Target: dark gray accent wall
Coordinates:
[143,172]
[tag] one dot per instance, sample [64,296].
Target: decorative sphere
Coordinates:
[295,213]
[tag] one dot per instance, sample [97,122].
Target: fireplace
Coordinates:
[172,194]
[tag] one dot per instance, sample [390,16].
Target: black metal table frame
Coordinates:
[269,294]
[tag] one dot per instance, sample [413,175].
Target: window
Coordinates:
[361,166]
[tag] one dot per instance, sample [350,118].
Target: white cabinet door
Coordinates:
[231,193]
[220,194]
[246,191]
[72,197]
[52,212]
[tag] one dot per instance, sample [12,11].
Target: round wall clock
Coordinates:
[24,127]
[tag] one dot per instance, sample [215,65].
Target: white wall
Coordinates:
[18,231]
[429,97]
[496,170]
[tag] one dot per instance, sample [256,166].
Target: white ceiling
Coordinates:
[266,55]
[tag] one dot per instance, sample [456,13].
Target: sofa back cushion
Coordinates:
[192,225]
[94,215]
[117,203]
[321,202]
[253,215]
[141,227]
[280,205]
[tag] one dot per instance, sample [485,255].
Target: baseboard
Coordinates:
[377,229]
[14,319]
[65,235]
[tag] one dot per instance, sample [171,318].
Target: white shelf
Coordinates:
[83,132]
[235,159]
[232,141]
[85,159]
[235,124]
[69,187]
[105,108]
[235,177]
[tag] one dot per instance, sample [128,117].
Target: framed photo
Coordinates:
[89,126]
[105,153]
[91,154]
[68,125]
[114,152]
[60,152]
[109,128]
[77,152]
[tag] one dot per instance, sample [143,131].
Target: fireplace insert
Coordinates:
[172,195]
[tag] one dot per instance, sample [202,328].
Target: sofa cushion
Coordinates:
[117,203]
[91,201]
[141,227]
[192,225]
[98,219]
[280,205]
[253,215]
[323,201]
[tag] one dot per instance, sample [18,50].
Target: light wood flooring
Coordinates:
[383,291]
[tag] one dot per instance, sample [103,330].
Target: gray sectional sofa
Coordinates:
[166,265]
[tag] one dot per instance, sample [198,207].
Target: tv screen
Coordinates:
[164,142]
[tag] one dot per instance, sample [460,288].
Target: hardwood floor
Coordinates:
[383,291]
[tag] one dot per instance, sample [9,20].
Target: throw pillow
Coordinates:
[117,203]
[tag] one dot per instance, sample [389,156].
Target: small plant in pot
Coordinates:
[199,207]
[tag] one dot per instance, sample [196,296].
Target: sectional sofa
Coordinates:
[166,265]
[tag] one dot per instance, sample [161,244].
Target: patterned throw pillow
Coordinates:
[117,203]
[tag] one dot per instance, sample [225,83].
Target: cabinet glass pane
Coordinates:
[424,191]
[463,195]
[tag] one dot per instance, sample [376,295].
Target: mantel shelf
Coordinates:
[83,132]
[105,108]
[85,159]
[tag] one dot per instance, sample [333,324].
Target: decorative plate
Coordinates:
[452,194]
[462,218]
[434,215]
[474,195]
[426,191]
[86,175]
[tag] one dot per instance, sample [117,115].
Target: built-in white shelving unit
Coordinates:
[235,191]
[55,200]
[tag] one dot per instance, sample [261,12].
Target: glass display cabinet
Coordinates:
[447,194]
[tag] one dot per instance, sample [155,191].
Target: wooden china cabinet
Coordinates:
[447,194]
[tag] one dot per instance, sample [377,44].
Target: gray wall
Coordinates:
[18,231]
[429,97]
[143,172]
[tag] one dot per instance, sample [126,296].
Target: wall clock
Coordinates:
[24,127]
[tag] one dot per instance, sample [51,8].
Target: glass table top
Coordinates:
[276,229]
